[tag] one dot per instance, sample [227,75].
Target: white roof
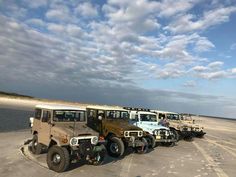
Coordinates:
[58,107]
[144,112]
[164,112]
[109,108]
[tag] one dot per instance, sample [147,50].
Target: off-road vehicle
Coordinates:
[148,121]
[179,128]
[62,131]
[112,123]
[197,130]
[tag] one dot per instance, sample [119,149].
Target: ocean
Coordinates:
[12,119]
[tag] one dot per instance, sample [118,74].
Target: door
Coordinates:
[45,127]
[95,118]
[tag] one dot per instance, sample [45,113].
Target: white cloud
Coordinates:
[190,84]
[59,13]
[233,46]
[199,68]
[36,4]
[87,9]
[188,22]
[36,22]
[213,75]
[215,64]
[233,71]
[203,45]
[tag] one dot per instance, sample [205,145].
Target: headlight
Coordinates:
[140,133]
[167,133]
[126,134]
[94,140]
[73,141]
[155,132]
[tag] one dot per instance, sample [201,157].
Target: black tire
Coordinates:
[115,147]
[176,134]
[98,157]
[58,158]
[142,149]
[36,147]
[169,144]
[151,141]
[200,135]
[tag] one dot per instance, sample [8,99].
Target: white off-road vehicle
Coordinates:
[148,121]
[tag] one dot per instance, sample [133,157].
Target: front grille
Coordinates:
[133,134]
[84,141]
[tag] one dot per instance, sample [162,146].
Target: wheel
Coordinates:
[151,141]
[169,144]
[115,147]
[176,134]
[200,135]
[36,147]
[143,149]
[98,157]
[58,158]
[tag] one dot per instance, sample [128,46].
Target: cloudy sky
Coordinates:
[172,55]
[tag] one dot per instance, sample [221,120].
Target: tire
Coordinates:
[58,158]
[169,144]
[115,147]
[143,149]
[151,141]
[176,134]
[36,147]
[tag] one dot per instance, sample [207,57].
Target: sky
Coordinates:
[168,55]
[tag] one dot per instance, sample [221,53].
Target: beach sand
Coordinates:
[214,155]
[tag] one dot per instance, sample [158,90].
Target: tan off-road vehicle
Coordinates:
[63,132]
[173,120]
[112,123]
[197,130]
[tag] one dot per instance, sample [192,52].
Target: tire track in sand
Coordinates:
[219,171]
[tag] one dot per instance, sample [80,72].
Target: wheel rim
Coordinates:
[114,148]
[56,158]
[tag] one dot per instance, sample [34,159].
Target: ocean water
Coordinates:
[12,119]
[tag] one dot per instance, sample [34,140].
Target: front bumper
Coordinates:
[198,133]
[159,139]
[132,142]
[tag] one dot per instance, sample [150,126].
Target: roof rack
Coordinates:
[137,109]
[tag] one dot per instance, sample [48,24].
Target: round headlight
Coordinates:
[140,133]
[73,141]
[126,133]
[94,140]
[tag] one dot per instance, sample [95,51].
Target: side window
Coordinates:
[92,113]
[101,113]
[46,116]
[38,113]
[161,116]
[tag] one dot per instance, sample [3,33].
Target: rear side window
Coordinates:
[38,113]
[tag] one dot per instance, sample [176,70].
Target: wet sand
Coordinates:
[214,155]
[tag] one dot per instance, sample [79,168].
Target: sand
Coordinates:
[214,155]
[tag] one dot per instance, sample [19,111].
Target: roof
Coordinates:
[58,107]
[164,112]
[144,112]
[110,108]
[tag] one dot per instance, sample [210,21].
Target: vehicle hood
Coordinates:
[151,126]
[122,124]
[74,129]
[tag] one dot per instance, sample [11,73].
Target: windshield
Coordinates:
[148,117]
[173,116]
[69,116]
[117,114]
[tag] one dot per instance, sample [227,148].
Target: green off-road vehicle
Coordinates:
[62,131]
[180,129]
[112,123]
